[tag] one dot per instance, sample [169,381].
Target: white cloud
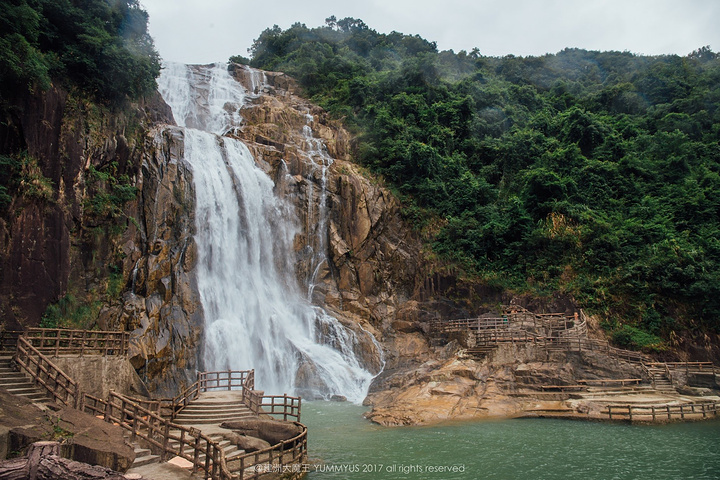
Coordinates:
[202,31]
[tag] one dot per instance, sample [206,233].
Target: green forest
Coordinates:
[98,50]
[594,174]
[101,47]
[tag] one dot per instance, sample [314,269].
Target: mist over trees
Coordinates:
[99,46]
[591,173]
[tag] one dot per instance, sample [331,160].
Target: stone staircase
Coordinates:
[143,456]
[213,408]
[660,380]
[206,413]
[17,383]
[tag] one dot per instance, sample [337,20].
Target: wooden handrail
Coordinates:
[602,381]
[158,432]
[660,412]
[9,339]
[281,405]
[687,366]
[61,388]
[142,417]
[225,379]
[295,447]
[61,341]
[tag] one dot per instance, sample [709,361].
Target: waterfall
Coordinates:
[320,161]
[255,314]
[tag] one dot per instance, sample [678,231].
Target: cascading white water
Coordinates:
[316,227]
[255,316]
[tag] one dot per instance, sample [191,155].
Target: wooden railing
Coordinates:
[661,412]
[159,433]
[555,344]
[701,367]
[142,417]
[290,452]
[61,388]
[283,406]
[516,316]
[611,381]
[579,344]
[278,405]
[60,341]
[222,380]
[226,380]
[9,339]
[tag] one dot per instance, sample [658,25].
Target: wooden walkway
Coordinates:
[651,398]
[166,428]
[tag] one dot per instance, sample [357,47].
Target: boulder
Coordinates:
[246,442]
[85,438]
[270,430]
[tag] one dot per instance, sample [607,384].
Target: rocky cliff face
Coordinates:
[355,256]
[54,242]
[162,307]
[107,264]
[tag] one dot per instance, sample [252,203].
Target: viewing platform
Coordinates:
[185,430]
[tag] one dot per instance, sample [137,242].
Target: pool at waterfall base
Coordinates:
[344,445]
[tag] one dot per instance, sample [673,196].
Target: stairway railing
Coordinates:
[220,380]
[656,412]
[62,341]
[61,388]
[142,417]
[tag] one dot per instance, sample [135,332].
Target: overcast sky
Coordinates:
[204,31]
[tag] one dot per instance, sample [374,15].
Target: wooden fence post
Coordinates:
[166,441]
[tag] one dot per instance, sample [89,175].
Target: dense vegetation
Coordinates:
[100,53]
[595,174]
[99,49]
[100,46]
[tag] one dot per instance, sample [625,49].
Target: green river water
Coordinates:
[343,445]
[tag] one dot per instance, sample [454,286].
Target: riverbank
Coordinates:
[584,379]
[344,445]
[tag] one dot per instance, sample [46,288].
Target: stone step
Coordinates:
[215,406]
[17,385]
[141,452]
[209,421]
[19,390]
[145,460]
[15,380]
[212,415]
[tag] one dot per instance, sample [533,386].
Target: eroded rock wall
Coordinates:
[68,244]
[54,241]
[161,307]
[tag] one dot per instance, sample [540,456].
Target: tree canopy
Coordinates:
[596,174]
[100,46]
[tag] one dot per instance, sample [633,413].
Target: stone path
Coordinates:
[17,383]
[206,414]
